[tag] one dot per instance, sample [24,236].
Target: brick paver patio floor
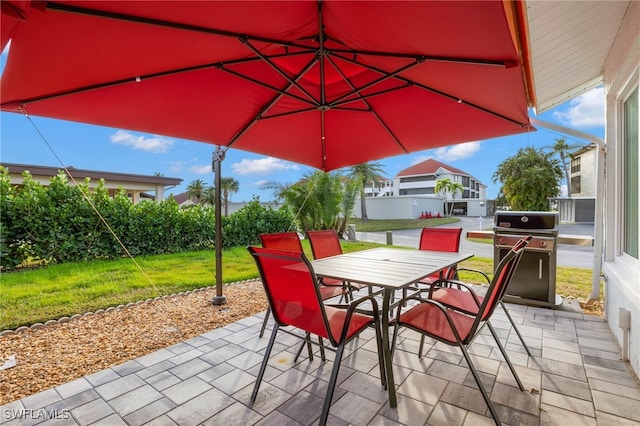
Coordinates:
[575,377]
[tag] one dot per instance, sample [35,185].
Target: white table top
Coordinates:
[386,267]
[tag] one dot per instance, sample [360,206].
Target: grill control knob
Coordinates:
[503,240]
[543,243]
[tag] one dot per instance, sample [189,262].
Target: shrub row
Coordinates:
[59,223]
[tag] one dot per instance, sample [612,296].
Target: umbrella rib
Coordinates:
[268,86]
[278,70]
[434,58]
[438,92]
[169,24]
[284,114]
[385,76]
[269,104]
[323,99]
[370,108]
[139,78]
[369,95]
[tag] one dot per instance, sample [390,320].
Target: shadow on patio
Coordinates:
[575,377]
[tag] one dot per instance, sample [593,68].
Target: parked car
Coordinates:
[458,211]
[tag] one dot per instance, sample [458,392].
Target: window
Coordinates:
[575,165]
[630,175]
[575,185]
[465,193]
[465,181]
[424,178]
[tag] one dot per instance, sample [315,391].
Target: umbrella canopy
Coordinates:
[322,83]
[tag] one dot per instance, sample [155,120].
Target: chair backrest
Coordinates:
[440,239]
[501,278]
[286,241]
[324,243]
[302,308]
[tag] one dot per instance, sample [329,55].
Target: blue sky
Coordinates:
[85,146]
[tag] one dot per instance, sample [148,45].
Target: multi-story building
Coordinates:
[421,178]
[412,193]
[583,172]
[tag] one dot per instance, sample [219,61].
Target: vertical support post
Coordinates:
[216,164]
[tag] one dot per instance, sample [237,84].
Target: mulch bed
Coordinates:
[62,352]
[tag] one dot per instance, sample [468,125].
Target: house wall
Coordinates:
[622,289]
[587,175]
[411,207]
[135,189]
[400,207]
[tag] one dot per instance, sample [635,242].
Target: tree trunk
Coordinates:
[363,205]
[566,174]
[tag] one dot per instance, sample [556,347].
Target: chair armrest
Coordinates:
[475,271]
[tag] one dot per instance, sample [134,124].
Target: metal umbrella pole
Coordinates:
[216,164]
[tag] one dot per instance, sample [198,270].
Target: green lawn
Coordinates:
[381,225]
[39,295]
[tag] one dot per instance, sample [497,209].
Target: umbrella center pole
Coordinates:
[216,164]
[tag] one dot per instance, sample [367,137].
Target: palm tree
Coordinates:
[364,174]
[454,188]
[445,186]
[209,196]
[562,148]
[279,189]
[195,190]
[228,185]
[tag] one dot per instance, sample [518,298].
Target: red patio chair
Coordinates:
[289,241]
[440,239]
[325,243]
[437,239]
[304,309]
[455,328]
[464,299]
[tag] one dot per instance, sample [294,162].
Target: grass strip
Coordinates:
[56,291]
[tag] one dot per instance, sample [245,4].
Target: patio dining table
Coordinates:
[391,269]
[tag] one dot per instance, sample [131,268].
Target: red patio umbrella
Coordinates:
[323,83]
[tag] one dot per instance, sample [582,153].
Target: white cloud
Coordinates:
[201,170]
[261,183]
[457,152]
[156,144]
[586,110]
[420,159]
[262,166]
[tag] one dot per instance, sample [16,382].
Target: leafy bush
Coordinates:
[63,223]
[243,227]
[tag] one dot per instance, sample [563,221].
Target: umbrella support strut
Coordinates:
[218,156]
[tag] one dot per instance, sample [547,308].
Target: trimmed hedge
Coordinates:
[57,223]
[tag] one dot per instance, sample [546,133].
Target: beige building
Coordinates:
[138,187]
[583,172]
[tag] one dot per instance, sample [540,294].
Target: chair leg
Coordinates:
[506,357]
[307,343]
[332,384]
[264,322]
[383,376]
[265,360]
[421,346]
[476,376]
[322,356]
[513,324]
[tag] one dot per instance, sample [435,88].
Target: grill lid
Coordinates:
[531,221]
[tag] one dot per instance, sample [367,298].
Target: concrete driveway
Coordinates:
[568,255]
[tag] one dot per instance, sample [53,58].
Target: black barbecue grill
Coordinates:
[534,281]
